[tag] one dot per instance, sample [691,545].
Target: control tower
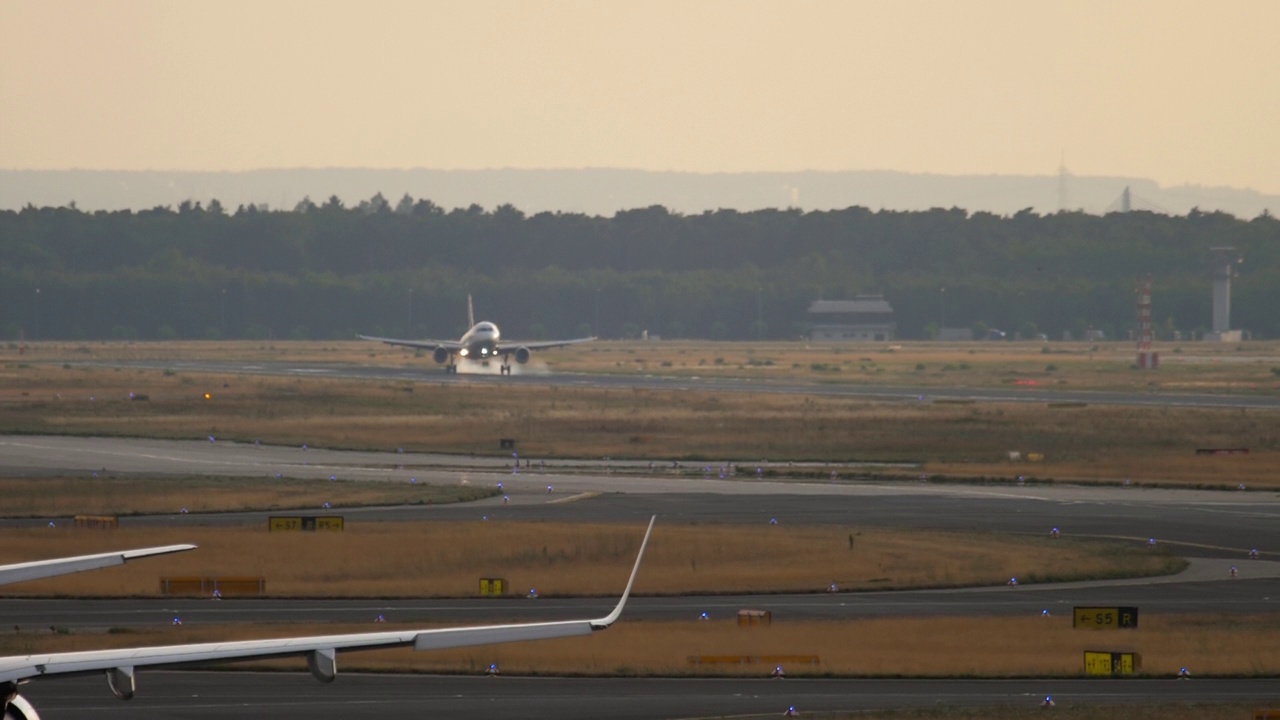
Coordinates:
[1225,264]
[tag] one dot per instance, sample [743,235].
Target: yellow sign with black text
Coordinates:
[280,523]
[1105,618]
[1111,663]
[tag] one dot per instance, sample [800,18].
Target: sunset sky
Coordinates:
[1173,90]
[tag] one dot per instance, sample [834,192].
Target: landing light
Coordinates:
[208,396]
[463,352]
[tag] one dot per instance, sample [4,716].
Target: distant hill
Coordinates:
[604,191]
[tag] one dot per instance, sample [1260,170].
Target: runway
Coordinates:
[1214,528]
[427,374]
[1197,522]
[194,695]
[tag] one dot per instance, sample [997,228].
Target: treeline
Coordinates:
[329,271]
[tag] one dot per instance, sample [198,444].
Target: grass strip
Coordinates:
[942,647]
[61,497]
[1095,443]
[447,559]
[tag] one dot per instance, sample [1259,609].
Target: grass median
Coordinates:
[447,559]
[1092,443]
[977,647]
[1186,367]
[61,497]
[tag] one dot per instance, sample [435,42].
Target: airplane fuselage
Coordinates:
[480,342]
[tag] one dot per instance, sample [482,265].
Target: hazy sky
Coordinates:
[1180,91]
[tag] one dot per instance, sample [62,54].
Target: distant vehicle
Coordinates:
[481,343]
[321,651]
[994,334]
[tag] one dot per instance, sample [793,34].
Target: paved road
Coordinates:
[294,695]
[1031,394]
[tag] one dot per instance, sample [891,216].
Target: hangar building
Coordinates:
[867,317]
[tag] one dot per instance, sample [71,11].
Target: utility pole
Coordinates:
[759,314]
[942,309]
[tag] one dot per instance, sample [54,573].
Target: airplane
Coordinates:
[481,343]
[320,650]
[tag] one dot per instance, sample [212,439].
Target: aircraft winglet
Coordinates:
[612,617]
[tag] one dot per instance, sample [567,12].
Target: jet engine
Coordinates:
[522,355]
[440,355]
[17,708]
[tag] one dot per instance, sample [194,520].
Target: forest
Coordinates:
[325,270]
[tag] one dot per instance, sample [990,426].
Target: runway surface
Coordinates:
[1215,529]
[427,374]
[1197,522]
[293,695]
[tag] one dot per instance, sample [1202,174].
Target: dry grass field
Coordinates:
[1093,443]
[447,559]
[1186,366]
[61,497]
[883,647]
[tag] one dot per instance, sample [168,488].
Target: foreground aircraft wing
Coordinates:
[320,650]
[544,344]
[22,572]
[423,344]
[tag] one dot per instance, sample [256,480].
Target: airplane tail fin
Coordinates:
[471,314]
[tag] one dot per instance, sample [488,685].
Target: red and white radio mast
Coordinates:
[1147,359]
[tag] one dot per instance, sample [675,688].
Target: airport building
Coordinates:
[865,318]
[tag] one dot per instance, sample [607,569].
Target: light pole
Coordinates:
[37,323]
[408,328]
[759,314]
[595,329]
[222,317]
[942,306]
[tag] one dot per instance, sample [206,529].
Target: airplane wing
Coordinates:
[320,650]
[22,572]
[507,345]
[422,344]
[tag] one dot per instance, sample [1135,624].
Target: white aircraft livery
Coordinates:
[482,343]
[21,572]
[321,651]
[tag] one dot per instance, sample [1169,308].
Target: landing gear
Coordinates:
[504,369]
[451,369]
